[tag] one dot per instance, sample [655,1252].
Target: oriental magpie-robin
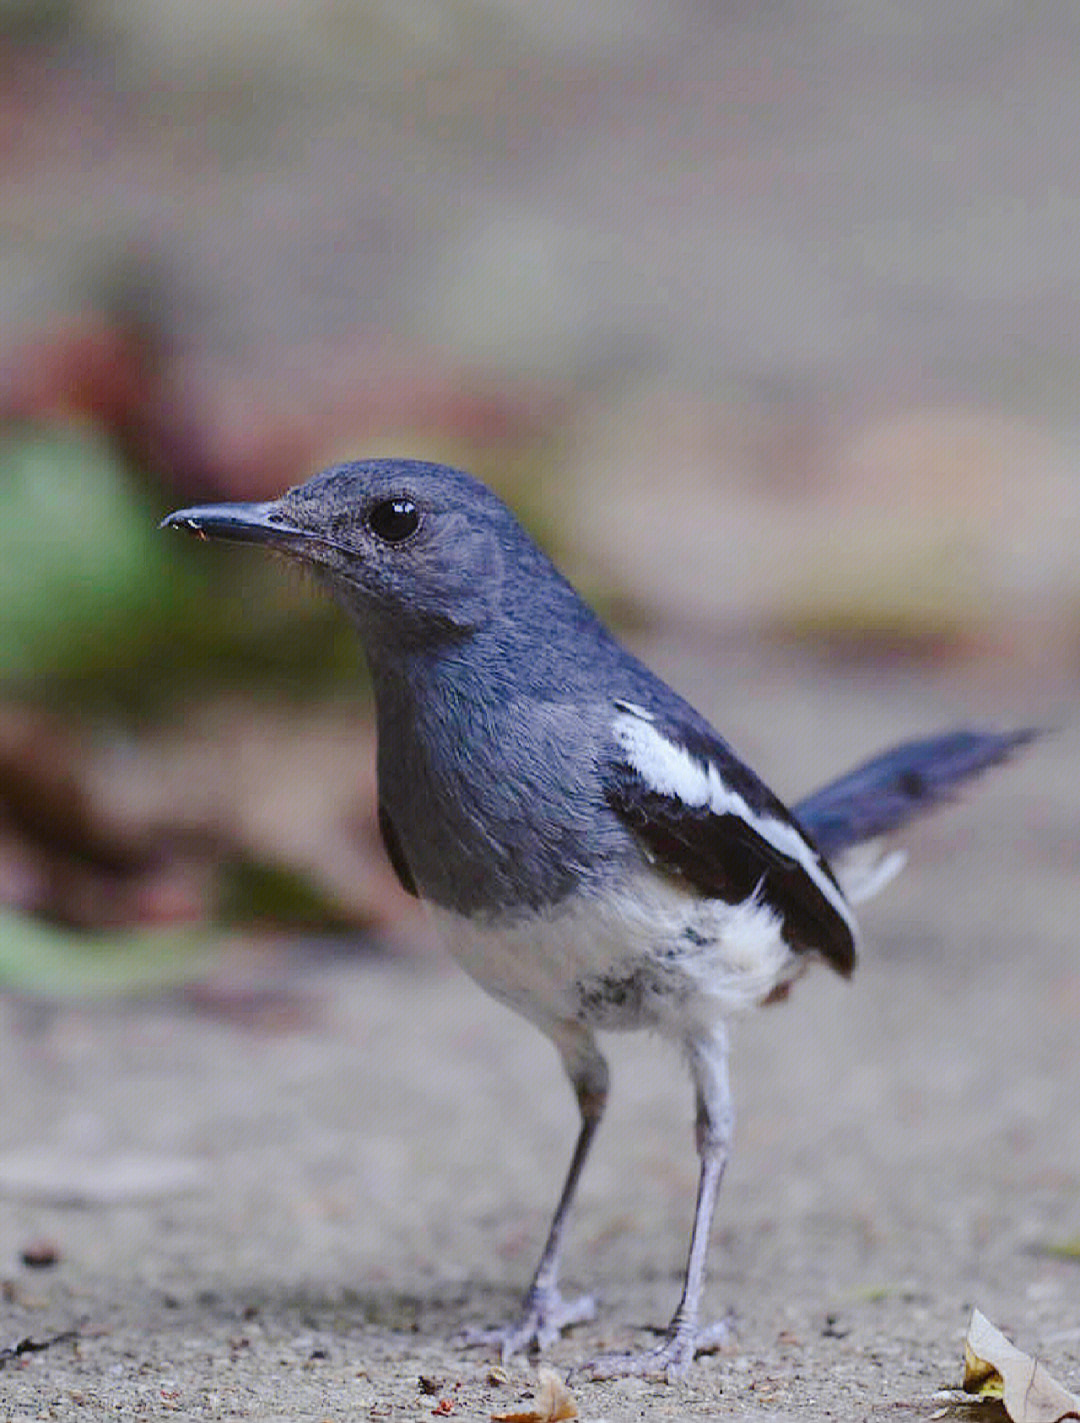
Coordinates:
[595,854]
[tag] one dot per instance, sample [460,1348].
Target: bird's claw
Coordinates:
[545,1316]
[670,1359]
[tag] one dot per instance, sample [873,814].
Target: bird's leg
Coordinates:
[545,1313]
[714,1125]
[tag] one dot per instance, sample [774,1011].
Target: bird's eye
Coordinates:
[394,520]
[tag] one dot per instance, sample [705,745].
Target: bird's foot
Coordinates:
[545,1315]
[671,1358]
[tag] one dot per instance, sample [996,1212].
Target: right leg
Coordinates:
[545,1313]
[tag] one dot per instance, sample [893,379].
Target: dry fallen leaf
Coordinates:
[553,1402]
[995,1368]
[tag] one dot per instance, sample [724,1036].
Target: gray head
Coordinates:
[417,553]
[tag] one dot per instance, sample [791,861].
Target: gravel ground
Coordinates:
[296,1223]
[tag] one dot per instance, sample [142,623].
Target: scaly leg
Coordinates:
[545,1313]
[715,1122]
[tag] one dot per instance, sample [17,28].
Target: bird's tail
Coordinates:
[848,816]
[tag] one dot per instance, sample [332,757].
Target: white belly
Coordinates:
[658,957]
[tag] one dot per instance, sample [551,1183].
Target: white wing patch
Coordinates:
[670,770]
[635,710]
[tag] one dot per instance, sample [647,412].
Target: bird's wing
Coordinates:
[703,815]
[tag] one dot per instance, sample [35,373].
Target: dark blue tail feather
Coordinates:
[907,781]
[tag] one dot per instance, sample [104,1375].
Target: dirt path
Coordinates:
[359,1188]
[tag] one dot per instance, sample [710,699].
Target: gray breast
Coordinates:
[499,809]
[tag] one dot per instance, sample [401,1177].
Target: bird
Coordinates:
[595,855]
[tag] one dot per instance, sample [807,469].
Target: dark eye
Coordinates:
[394,520]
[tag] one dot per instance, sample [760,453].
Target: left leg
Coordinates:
[707,1054]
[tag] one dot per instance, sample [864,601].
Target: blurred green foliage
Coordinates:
[44,960]
[101,609]
[253,892]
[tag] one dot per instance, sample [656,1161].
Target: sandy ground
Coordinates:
[315,1212]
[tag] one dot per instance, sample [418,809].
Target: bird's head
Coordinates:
[414,550]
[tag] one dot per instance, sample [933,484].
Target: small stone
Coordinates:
[40,1254]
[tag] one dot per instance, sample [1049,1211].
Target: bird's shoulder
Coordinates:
[702,814]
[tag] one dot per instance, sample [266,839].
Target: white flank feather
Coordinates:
[867,868]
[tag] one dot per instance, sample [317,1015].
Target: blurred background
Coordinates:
[763,315]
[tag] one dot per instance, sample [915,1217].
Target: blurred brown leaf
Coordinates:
[61,858]
[242,811]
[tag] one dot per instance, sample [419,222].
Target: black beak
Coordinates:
[238,523]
